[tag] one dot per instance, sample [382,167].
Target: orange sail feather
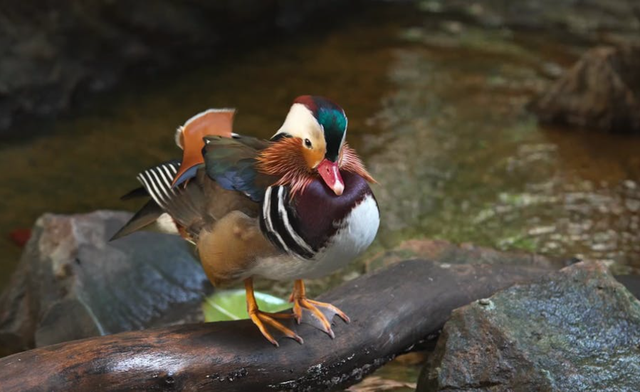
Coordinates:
[189,137]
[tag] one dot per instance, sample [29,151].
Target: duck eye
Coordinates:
[307,143]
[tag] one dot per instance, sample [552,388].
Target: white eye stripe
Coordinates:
[346,125]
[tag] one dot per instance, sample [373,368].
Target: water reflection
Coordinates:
[461,159]
[86,162]
[436,108]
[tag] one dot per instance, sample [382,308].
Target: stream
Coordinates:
[437,110]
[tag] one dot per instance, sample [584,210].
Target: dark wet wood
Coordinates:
[391,311]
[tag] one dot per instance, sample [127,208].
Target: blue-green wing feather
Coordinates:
[232,164]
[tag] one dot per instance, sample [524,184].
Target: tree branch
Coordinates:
[391,310]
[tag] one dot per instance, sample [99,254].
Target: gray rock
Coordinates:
[577,330]
[602,91]
[72,283]
[631,282]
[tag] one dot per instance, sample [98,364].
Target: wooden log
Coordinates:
[391,311]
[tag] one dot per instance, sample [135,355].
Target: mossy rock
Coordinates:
[576,330]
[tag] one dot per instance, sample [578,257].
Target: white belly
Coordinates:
[356,234]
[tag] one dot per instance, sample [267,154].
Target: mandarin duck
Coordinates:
[297,206]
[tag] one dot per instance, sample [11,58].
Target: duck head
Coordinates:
[310,143]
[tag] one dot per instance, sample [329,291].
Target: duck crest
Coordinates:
[303,225]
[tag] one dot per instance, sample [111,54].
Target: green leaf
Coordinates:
[232,305]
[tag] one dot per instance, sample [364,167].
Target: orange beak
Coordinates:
[330,173]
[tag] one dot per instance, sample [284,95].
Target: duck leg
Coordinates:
[262,319]
[321,312]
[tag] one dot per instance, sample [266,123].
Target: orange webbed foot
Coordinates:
[263,319]
[320,313]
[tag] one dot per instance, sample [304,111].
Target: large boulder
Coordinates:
[601,91]
[72,283]
[576,330]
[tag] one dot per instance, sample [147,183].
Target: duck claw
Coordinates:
[317,314]
[263,319]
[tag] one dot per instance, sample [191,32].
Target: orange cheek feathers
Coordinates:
[313,157]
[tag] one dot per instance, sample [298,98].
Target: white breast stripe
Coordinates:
[282,212]
[266,207]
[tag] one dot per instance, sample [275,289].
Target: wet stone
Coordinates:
[578,329]
[73,283]
[601,91]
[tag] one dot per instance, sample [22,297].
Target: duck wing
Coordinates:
[217,175]
[232,164]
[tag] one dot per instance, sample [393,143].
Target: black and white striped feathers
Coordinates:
[305,225]
[319,229]
[279,222]
[157,182]
[183,203]
[316,231]
[180,203]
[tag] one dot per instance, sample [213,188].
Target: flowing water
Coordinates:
[88,161]
[436,108]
